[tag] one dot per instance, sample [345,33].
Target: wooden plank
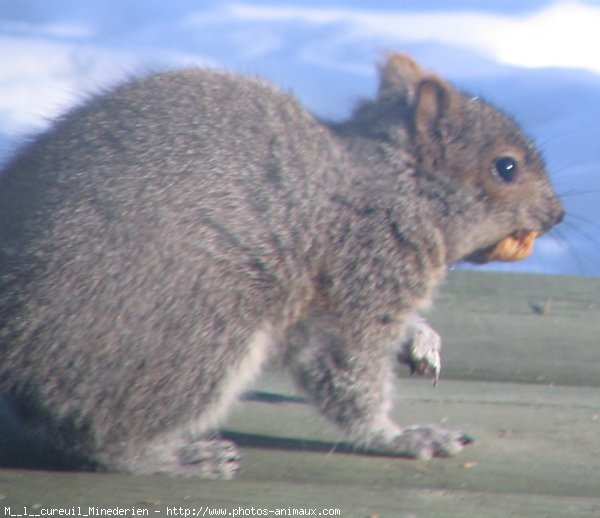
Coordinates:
[536,448]
[536,452]
[515,327]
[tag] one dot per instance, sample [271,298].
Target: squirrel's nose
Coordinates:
[556,216]
[559,213]
[560,217]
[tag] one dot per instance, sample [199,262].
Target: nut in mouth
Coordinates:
[514,247]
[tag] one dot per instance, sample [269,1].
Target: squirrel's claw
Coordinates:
[421,352]
[426,367]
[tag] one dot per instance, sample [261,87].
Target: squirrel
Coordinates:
[164,241]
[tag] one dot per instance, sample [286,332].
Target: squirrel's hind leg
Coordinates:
[189,450]
[208,458]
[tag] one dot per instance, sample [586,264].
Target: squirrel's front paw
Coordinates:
[425,442]
[421,351]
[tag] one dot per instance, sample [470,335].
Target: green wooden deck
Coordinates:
[521,374]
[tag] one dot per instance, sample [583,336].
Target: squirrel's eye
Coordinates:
[505,168]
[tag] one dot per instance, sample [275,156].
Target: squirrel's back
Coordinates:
[171,212]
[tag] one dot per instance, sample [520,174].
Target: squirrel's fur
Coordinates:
[161,242]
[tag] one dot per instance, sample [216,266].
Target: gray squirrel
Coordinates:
[164,241]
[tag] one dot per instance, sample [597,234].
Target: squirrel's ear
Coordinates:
[399,75]
[434,109]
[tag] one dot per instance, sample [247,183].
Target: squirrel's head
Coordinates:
[485,178]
